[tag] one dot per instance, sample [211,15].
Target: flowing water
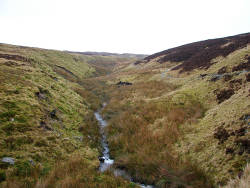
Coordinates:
[105,161]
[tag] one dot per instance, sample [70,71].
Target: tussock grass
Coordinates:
[142,133]
[242,182]
[77,172]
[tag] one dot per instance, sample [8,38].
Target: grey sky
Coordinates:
[136,26]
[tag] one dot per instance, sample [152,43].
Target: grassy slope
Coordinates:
[34,83]
[104,64]
[163,127]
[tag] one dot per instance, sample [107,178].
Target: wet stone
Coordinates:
[101,159]
[8,160]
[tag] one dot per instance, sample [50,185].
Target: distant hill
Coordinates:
[124,55]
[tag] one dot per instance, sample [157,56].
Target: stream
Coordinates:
[105,161]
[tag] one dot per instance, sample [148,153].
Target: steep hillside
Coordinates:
[184,118]
[199,54]
[49,136]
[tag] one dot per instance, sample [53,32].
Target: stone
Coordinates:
[244,144]
[101,159]
[8,160]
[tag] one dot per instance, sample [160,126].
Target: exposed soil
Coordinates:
[244,144]
[224,94]
[44,125]
[12,64]
[221,134]
[222,70]
[248,77]
[235,84]
[227,77]
[124,83]
[66,70]
[229,150]
[15,57]
[242,66]
[65,73]
[240,132]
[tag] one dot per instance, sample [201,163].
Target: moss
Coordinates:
[41,143]
[8,128]
[9,105]
[6,116]
[2,176]
[23,168]
[45,169]
[24,140]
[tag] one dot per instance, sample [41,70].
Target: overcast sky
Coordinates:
[135,26]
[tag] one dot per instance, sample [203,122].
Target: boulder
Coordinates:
[101,159]
[8,160]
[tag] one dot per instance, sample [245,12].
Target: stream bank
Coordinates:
[105,161]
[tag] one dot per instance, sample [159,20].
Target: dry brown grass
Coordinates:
[92,99]
[77,172]
[142,133]
[242,182]
[74,173]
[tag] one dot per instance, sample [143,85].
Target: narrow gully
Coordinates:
[105,161]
